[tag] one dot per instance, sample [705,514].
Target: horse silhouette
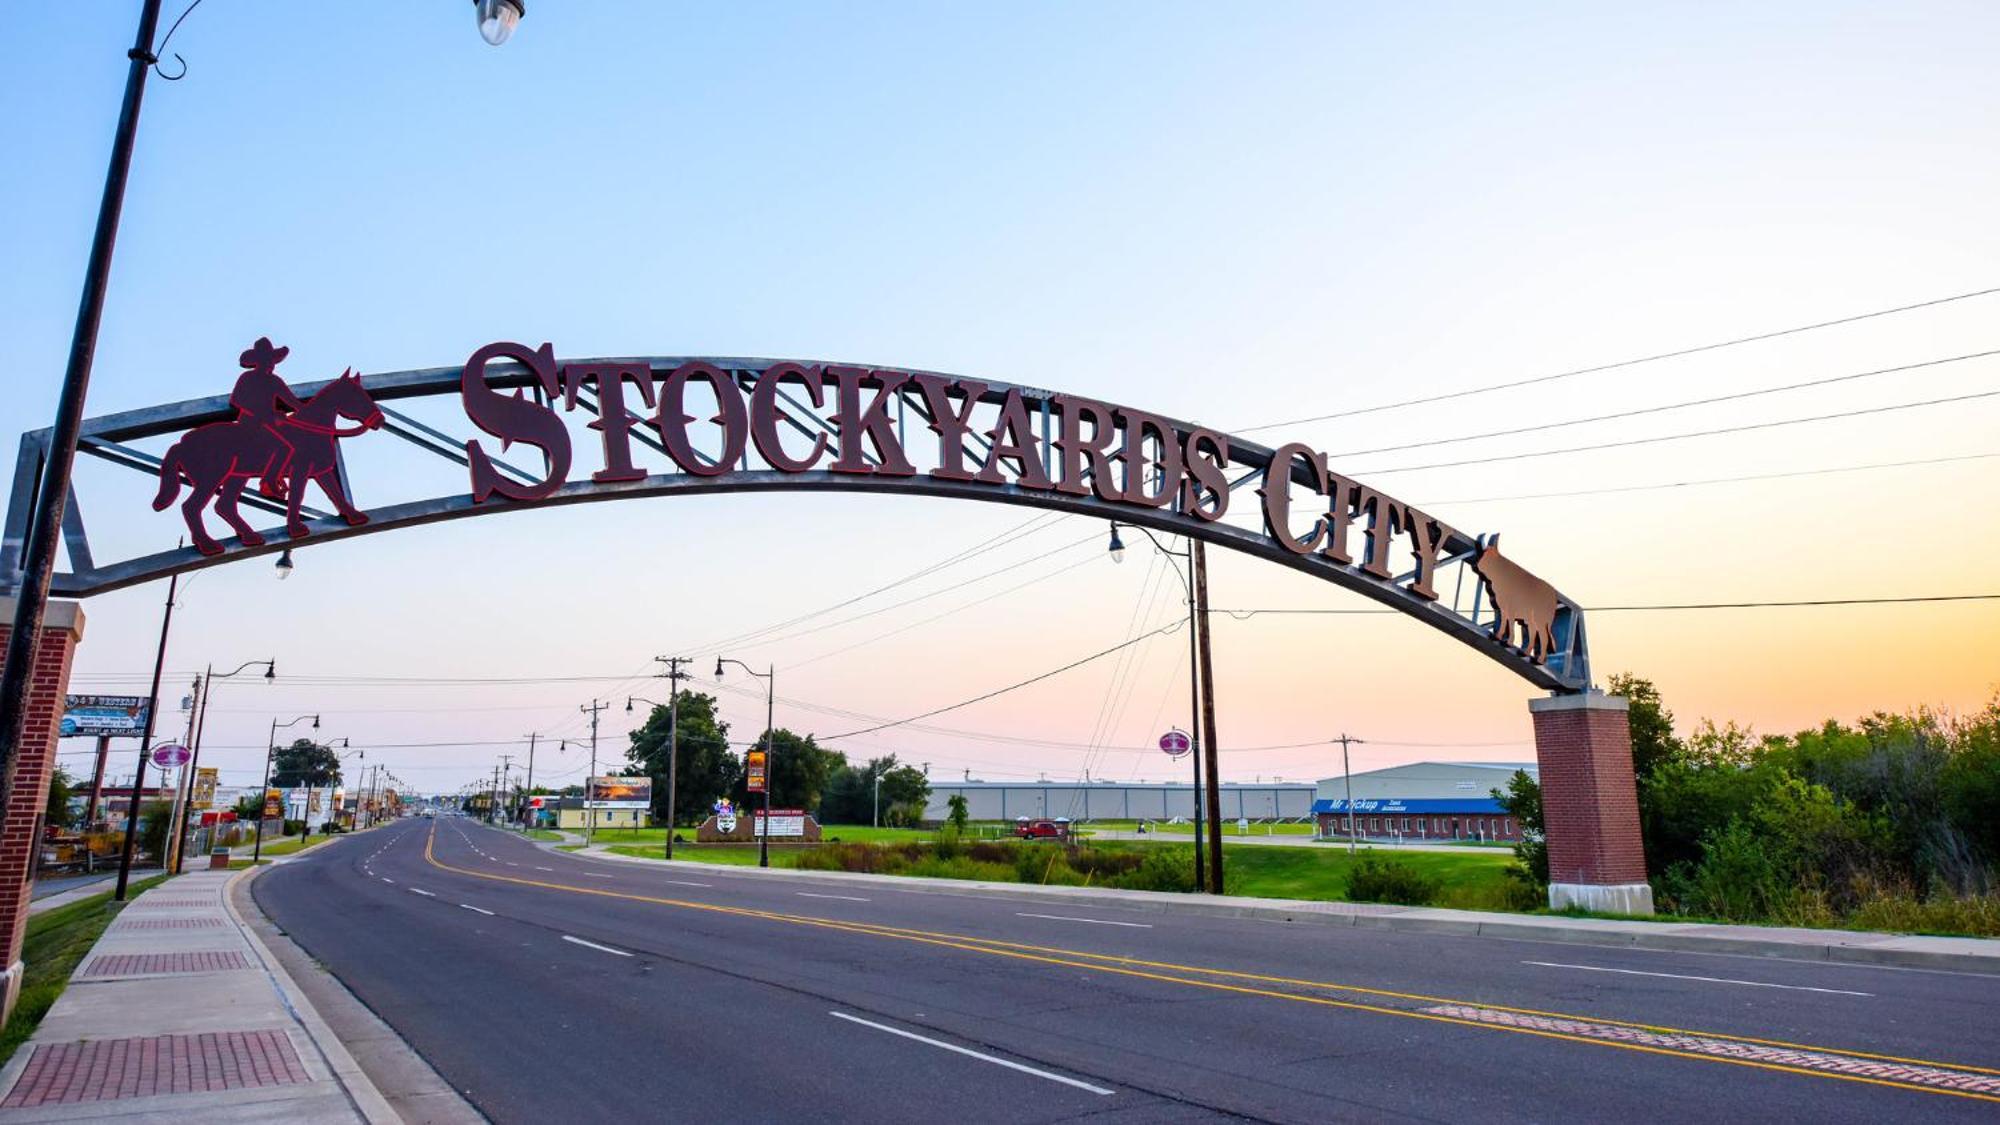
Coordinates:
[219,460]
[1518,598]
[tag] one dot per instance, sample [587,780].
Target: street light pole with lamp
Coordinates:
[496,20]
[208,678]
[770,679]
[270,752]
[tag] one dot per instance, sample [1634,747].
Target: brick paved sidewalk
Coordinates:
[175,1013]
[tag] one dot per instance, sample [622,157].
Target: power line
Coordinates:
[1712,480]
[1675,354]
[1662,409]
[1890,408]
[1246,614]
[1011,687]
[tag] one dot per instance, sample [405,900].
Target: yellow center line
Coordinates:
[1118,966]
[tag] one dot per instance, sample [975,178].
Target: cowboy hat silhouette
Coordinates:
[262,356]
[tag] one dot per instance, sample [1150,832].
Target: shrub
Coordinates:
[1159,869]
[1378,878]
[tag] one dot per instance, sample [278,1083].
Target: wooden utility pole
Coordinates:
[528,800]
[590,810]
[674,678]
[1215,883]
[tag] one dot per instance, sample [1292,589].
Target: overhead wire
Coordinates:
[1624,363]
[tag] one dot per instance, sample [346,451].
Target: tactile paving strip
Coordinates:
[1912,1073]
[137,964]
[170,924]
[108,1069]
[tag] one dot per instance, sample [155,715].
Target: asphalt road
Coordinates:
[548,987]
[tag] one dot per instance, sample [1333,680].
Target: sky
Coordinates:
[1242,215]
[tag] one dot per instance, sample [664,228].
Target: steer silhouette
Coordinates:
[1518,597]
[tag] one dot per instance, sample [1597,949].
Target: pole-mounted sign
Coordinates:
[170,755]
[111,716]
[753,768]
[1176,743]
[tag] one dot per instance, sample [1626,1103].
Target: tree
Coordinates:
[61,786]
[1523,802]
[248,808]
[905,792]
[959,816]
[305,764]
[706,768]
[849,797]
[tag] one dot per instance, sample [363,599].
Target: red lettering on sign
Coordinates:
[513,418]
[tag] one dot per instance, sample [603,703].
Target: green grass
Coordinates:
[545,836]
[845,833]
[734,855]
[55,943]
[1476,880]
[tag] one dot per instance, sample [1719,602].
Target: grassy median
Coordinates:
[56,942]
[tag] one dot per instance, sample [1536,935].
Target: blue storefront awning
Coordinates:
[1396,806]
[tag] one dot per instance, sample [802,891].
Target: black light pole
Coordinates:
[271,751]
[145,745]
[38,553]
[208,679]
[770,679]
[674,677]
[1117,549]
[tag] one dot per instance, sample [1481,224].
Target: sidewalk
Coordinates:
[179,1010]
[1972,955]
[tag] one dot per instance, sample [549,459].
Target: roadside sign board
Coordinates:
[114,716]
[1176,743]
[204,788]
[619,793]
[754,767]
[170,755]
[274,803]
[784,822]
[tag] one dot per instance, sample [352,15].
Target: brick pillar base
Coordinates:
[1590,806]
[62,628]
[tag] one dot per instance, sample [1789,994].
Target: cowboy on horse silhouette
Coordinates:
[276,439]
[258,397]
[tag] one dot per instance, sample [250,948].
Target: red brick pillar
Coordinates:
[62,628]
[1590,805]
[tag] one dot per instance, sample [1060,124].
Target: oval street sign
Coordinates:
[1176,743]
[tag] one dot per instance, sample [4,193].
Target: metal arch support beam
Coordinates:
[109,437]
[134,571]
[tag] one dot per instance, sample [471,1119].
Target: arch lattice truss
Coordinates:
[516,428]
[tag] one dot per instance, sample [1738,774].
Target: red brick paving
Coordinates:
[171,924]
[107,1069]
[133,964]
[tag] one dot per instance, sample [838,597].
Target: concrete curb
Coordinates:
[1957,954]
[368,1101]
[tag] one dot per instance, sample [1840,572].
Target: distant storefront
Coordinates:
[1421,801]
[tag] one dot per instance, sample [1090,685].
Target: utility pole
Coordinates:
[493,797]
[530,787]
[1348,773]
[506,760]
[674,678]
[589,810]
[145,739]
[1215,883]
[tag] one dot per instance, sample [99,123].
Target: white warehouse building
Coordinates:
[1112,800]
[1422,800]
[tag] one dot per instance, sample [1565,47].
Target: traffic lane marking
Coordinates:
[846,898]
[594,945]
[475,909]
[1122,966]
[1707,980]
[421,891]
[1092,921]
[969,1053]
[686,883]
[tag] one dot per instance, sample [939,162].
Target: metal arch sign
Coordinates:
[679,425]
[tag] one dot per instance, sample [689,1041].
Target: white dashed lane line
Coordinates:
[388,880]
[545,869]
[598,874]
[969,1053]
[474,909]
[1092,921]
[594,945]
[421,891]
[685,883]
[846,898]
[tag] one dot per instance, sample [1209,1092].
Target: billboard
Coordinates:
[754,770]
[274,803]
[115,716]
[204,788]
[619,793]
[784,822]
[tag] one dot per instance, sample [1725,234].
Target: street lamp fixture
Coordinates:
[285,567]
[1117,545]
[498,18]
[770,678]
[270,752]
